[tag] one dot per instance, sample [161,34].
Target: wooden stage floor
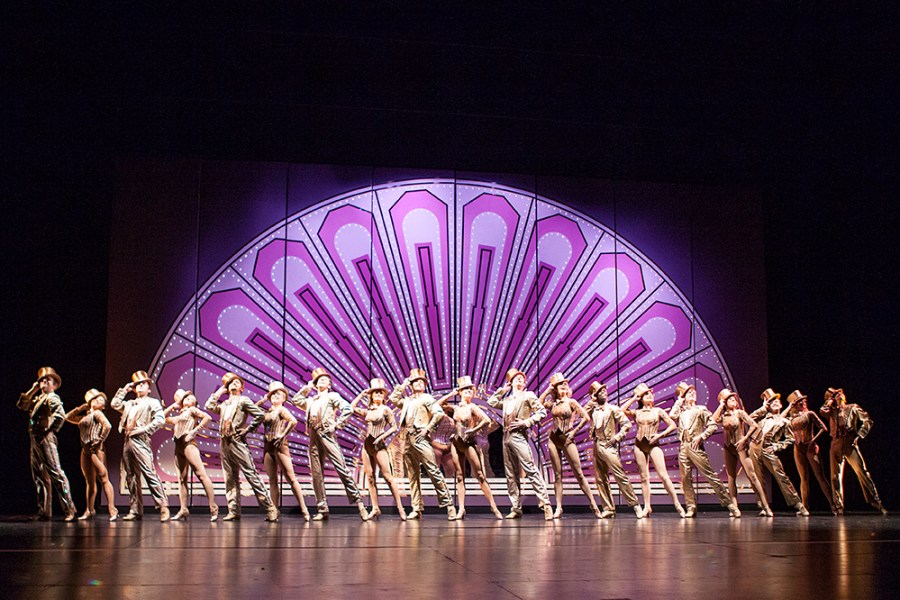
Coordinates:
[706,558]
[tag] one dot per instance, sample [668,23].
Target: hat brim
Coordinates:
[271,393]
[99,395]
[516,374]
[370,391]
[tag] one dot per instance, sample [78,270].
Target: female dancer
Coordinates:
[380,425]
[563,410]
[189,421]
[469,419]
[806,452]
[732,419]
[94,427]
[278,422]
[646,444]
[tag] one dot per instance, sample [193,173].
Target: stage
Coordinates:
[578,556]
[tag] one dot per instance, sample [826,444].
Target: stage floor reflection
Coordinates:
[578,556]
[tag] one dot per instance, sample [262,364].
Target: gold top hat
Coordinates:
[140,377]
[768,394]
[464,382]
[511,374]
[227,378]
[415,374]
[831,392]
[641,390]
[318,372]
[181,394]
[682,388]
[796,396]
[725,394]
[93,393]
[276,386]
[376,385]
[51,373]
[556,379]
[595,388]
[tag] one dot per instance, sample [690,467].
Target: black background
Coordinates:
[796,104]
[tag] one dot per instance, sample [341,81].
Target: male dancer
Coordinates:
[774,435]
[45,417]
[521,410]
[604,418]
[326,411]
[419,414]
[141,417]
[848,423]
[695,425]
[234,452]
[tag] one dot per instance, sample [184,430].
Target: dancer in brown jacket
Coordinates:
[609,426]
[774,436]
[848,423]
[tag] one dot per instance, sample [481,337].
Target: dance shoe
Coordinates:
[164,514]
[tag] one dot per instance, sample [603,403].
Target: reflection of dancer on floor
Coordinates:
[774,436]
[564,411]
[646,443]
[380,425]
[804,423]
[609,426]
[848,423]
[45,417]
[521,410]
[277,423]
[695,425]
[141,417]
[732,417]
[326,412]
[238,416]
[469,419]
[420,414]
[93,429]
[189,421]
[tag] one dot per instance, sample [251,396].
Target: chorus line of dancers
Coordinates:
[752,443]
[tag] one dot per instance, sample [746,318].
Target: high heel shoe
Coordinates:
[213,513]
[181,515]
[680,510]
[497,513]
[647,512]
[401,512]
[558,513]
[114,514]
[87,516]
[305,513]
[460,515]
[374,514]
